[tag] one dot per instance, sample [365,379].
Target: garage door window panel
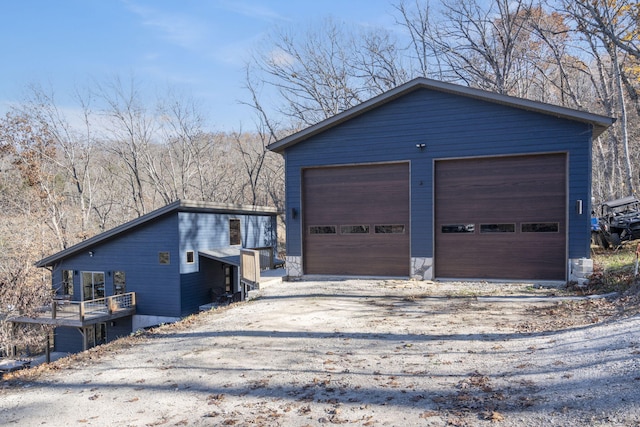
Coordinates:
[323,229]
[497,228]
[390,229]
[458,229]
[354,229]
[541,227]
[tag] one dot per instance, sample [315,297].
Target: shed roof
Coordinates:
[177,206]
[228,255]
[600,123]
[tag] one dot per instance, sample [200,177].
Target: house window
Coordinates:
[119,283]
[234,232]
[96,334]
[67,282]
[163,258]
[190,257]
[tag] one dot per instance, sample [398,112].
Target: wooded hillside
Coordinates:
[67,173]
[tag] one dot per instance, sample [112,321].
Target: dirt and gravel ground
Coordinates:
[356,352]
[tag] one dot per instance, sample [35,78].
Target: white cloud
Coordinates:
[180,29]
[252,10]
[281,58]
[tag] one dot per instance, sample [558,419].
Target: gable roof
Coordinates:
[599,123]
[177,206]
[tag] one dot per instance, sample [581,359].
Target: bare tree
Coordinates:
[128,135]
[563,72]
[600,23]
[327,69]
[253,147]
[417,20]
[487,45]
[617,21]
[23,289]
[75,145]
[33,150]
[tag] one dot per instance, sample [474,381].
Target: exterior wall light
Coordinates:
[421,146]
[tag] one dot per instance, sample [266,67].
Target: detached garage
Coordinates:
[435,180]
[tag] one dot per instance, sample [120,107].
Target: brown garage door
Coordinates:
[501,218]
[356,220]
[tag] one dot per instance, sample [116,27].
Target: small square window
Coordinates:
[190,257]
[163,258]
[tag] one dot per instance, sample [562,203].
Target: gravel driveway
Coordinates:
[353,352]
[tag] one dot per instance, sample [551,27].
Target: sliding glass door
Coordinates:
[92,285]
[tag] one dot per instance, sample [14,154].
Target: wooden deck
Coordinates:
[82,313]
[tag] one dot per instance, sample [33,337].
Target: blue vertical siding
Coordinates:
[175,289]
[451,126]
[136,253]
[119,328]
[172,290]
[202,231]
[67,340]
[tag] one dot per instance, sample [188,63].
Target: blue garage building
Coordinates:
[436,180]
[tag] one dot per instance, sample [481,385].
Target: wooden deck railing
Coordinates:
[266,257]
[107,305]
[250,267]
[81,310]
[268,261]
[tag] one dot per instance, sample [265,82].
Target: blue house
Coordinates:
[435,180]
[155,269]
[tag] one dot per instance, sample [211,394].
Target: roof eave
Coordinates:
[599,123]
[177,206]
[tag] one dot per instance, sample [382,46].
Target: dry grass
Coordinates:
[89,356]
[613,270]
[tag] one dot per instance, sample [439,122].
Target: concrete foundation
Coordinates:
[142,321]
[294,266]
[580,269]
[422,268]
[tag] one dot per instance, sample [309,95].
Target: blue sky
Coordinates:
[197,46]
